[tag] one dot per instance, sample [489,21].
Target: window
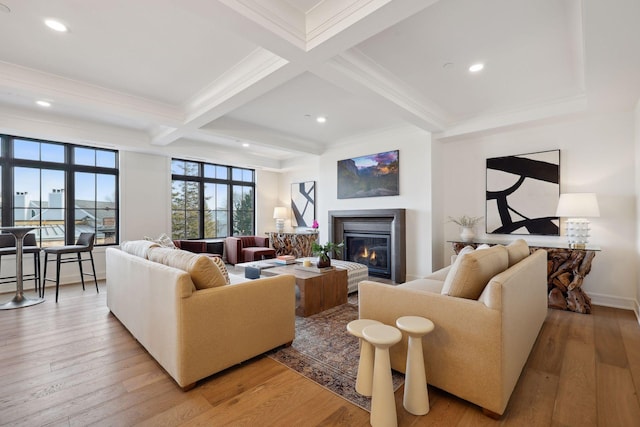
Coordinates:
[211,201]
[62,189]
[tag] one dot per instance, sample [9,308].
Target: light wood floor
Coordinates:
[74,364]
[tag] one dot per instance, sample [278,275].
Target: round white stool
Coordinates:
[416,396]
[383,403]
[364,380]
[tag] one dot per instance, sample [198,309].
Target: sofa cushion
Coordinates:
[471,272]
[223,268]
[204,273]
[163,240]
[138,247]
[517,250]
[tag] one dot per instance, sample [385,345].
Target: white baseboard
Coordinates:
[616,302]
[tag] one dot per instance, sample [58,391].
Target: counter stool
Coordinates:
[364,379]
[30,246]
[416,396]
[83,244]
[383,404]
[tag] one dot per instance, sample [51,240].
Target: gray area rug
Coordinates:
[326,353]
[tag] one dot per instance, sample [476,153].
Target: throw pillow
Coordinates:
[517,250]
[204,273]
[138,247]
[472,271]
[223,268]
[163,240]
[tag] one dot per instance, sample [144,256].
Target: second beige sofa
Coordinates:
[479,346]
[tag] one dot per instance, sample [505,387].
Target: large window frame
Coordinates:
[211,201]
[74,169]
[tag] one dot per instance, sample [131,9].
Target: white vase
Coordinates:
[467,234]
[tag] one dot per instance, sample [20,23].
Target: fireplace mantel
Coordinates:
[393,219]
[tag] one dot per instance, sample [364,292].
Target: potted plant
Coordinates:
[323,251]
[467,223]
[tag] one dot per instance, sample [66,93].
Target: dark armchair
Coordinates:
[247,248]
[195,246]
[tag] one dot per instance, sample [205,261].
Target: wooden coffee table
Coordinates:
[318,291]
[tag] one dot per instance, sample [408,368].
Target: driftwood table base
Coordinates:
[566,270]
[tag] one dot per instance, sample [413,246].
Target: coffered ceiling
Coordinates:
[215,75]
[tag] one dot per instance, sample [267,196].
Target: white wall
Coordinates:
[415,188]
[145,195]
[637,253]
[267,197]
[596,155]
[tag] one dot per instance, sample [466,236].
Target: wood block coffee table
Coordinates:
[318,291]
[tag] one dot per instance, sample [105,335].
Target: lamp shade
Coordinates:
[578,205]
[280,212]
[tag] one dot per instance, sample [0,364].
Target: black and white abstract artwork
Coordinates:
[303,203]
[522,194]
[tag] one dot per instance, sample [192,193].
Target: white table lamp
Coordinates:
[577,207]
[280,214]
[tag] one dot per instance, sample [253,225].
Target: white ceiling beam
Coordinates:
[275,29]
[358,74]
[258,135]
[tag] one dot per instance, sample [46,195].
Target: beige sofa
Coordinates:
[195,333]
[480,344]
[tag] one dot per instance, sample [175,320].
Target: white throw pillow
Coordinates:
[163,240]
[138,247]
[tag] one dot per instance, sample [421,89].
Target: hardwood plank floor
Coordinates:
[74,364]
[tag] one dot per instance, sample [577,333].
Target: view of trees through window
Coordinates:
[61,189]
[211,201]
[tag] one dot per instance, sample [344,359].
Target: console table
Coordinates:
[296,244]
[566,270]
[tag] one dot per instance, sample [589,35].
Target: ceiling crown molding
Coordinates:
[522,116]
[30,83]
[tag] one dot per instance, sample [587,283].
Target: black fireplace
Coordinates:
[374,237]
[371,250]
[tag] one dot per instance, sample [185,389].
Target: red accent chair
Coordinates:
[247,248]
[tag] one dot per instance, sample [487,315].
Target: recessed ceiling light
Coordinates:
[476,67]
[56,25]
[4,8]
[245,144]
[43,103]
[321,119]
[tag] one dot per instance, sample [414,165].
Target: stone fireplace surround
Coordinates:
[377,221]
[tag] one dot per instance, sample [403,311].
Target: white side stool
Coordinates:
[364,380]
[416,396]
[383,403]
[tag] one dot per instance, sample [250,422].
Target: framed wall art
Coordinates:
[522,194]
[303,203]
[374,175]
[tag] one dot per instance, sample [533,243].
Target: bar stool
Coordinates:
[8,247]
[383,403]
[83,244]
[364,378]
[416,397]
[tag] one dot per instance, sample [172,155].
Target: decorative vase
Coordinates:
[324,261]
[467,234]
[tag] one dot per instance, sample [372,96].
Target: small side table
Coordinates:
[19,300]
[364,379]
[416,396]
[383,403]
